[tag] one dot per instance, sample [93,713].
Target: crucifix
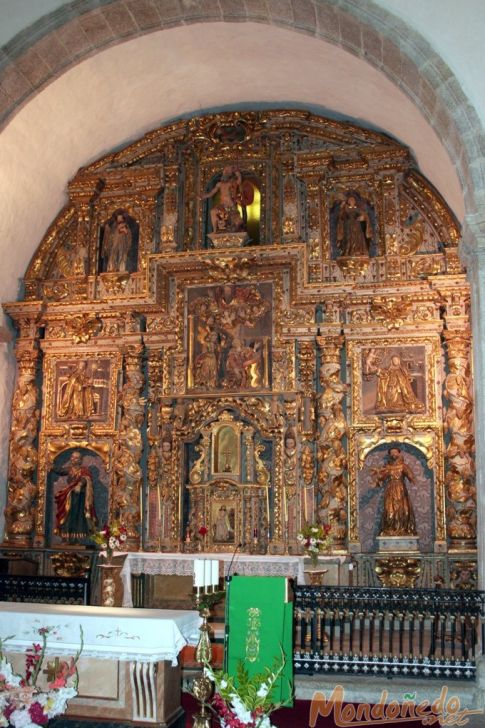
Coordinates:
[52,670]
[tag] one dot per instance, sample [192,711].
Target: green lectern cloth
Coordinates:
[259,625]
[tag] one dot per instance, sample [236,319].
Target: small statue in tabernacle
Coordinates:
[397,515]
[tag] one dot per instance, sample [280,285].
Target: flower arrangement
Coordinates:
[243,701]
[315,539]
[23,704]
[111,538]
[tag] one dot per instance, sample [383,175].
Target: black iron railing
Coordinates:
[44,589]
[376,631]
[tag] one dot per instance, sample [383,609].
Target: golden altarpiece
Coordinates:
[241,324]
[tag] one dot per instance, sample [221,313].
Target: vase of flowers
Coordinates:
[23,703]
[110,539]
[315,539]
[244,701]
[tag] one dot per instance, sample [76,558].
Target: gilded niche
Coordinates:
[241,324]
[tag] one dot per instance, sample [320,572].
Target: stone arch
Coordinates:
[74,32]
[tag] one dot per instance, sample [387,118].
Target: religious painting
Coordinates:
[394,380]
[352,227]
[118,249]
[229,332]
[81,390]
[223,522]
[77,500]
[395,497]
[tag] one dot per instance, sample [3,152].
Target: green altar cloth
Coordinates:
[259,626]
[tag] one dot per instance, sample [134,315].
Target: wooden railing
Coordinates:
[376,631]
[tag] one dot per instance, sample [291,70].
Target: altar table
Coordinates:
[178,564]
[128,669]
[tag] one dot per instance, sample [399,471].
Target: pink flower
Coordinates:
[59,682]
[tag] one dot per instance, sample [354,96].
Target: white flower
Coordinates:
[315,529]
[240,709]
[264,722]
[54,702]
[300,537]
[263,690]
[8,674]
[123,537]
[208,673]
[21,719]
[223,684]
[312,542]
[112,542]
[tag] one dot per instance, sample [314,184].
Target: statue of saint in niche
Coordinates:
[397,515]
[394,391]
[228,214]
[75,518]
[119,243]
[354,228]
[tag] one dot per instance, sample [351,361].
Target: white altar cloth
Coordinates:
[111,633]
[179,564]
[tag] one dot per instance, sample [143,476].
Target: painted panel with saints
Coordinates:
[82,390]
[393,380]
[230,330]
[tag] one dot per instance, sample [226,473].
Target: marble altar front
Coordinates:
[128,669]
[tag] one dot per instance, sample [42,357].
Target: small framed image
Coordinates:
[224,526]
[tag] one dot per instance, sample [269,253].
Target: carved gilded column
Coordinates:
[314,242]
[127,492]
[155,451]
[332,428]
[83,193]
[190,203]
[290,229]
[307,369]
[22,491]
[169,229]
[459,438]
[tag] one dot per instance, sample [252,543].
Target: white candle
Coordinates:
[199,573]
[215,573]
[207,573]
